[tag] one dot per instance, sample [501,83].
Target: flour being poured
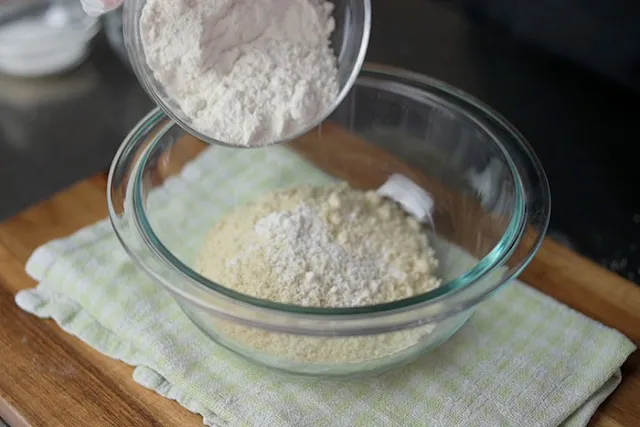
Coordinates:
[246,72]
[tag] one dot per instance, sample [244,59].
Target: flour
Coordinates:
[245,72]
[302,236]
[330,246]
[325,247]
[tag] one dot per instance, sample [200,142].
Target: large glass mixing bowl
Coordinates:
[166,188]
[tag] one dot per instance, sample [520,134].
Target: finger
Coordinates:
[99,7]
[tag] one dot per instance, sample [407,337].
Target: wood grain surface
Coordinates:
[49,378]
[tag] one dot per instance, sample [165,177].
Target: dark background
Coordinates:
[565,72]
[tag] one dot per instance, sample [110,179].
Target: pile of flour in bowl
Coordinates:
[331,246]
[246,72]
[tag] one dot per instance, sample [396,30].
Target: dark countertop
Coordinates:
[584,128]
[56,131]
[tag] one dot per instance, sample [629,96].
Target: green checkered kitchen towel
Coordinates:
[522,360]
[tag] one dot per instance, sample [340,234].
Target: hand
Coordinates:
[99,7]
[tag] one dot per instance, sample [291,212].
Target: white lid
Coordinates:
[413,198]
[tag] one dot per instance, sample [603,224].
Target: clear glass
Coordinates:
[349,40]
[41,38]
[491,213]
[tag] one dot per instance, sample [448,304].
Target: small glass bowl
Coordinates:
[45,38]
[349,40]
[492,208]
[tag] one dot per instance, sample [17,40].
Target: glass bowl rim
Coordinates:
[484,267]
[153,88]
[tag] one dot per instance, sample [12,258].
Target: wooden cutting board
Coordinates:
[49,378]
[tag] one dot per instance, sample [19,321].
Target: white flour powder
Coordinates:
[245,72]
[325,247]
